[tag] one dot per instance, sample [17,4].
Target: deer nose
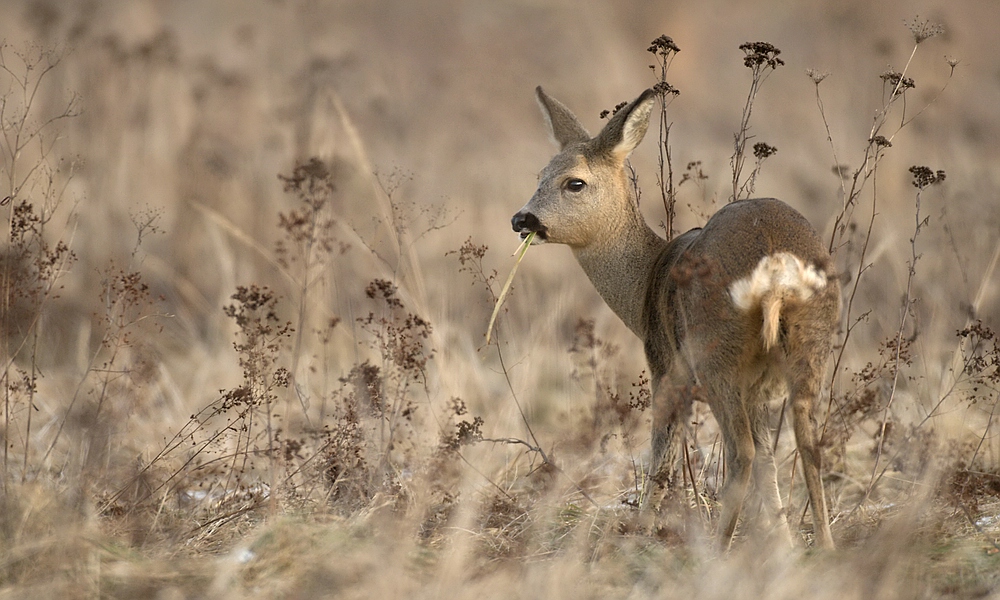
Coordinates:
[525,221]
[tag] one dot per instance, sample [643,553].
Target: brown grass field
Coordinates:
[251,248]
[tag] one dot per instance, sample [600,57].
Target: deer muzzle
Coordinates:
[525,222]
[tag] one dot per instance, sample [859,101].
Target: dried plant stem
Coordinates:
[873,152]
[862,267]
[535,446]
[866,173]
[31,194]
[905,309]
[663,50]
[829,135]
[762,60]
[740,139]
[521,250]
[668,192]
[907,438]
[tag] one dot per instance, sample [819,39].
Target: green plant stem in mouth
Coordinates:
[506,286]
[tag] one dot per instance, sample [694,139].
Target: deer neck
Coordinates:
[620,264]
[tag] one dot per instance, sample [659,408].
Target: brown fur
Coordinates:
[679,297]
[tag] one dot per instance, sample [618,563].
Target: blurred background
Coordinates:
[424,112]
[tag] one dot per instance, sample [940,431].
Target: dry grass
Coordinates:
[251,251]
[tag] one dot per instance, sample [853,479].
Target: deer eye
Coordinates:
[575,184]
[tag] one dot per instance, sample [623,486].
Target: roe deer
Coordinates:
[737,313]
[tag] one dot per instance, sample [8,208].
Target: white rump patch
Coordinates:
[777,279]
[781,273]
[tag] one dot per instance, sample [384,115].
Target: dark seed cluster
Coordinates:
[925,176]
[898,82]
[606,113]
[663,88]
[759,54]
[762,150]
[880,141]
[663,46]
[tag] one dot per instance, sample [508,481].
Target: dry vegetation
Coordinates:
[250,250]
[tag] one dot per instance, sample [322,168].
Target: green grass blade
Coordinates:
[506,286]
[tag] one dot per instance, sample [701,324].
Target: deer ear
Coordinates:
[626,129]
[563,124]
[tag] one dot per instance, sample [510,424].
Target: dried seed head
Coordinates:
[898,82]
[817,76]
[663,46]
[663,88]
[924,176]
[758,54]
[952,62]
[606,113]
[923,29]
[762,150]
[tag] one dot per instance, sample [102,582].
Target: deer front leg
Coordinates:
[671,405]
[661,457]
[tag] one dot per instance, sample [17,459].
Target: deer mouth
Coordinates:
[541,236]
[525,222]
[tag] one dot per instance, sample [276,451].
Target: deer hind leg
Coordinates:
[804,393]
[765,474]
[734,423]
[807,358]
